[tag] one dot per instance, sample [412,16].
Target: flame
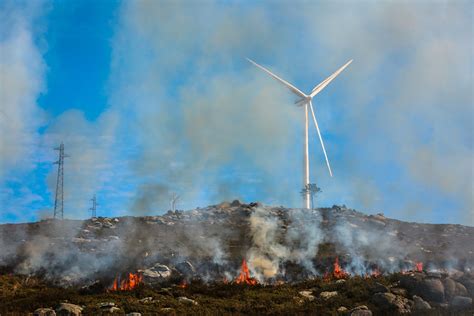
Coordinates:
[127,284]
[419,266]
[244,277]
[183,284]
[337,273]
[375,272]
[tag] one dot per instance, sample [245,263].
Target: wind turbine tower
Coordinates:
[305,100]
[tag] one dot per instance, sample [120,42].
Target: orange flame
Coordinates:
[419,266]
[337,273]
[127,284]
[244,277]
[375,273]
[183,284]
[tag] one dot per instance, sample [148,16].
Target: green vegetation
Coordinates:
[20,296]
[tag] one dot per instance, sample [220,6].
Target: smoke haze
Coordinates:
[186,113]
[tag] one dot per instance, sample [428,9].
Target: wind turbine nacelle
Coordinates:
[302,101]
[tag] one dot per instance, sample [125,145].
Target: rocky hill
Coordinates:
[280,245]
[216,239]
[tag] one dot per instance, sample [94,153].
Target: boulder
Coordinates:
[392,302]
[133,314]
[44,312]
[111,310]
[420,304]
[157,273]
[468,284]
[449,288]
[342,310]
[453,288]
[460,290]
[187,301]
[307,294]
[411,281]
[235,203]
[68,309]
[327,295]
[399,291]
[361,310]
[186,268]
[146,300]
[379,288]
[431,290]
[106,304]
[108,307]
[461,302]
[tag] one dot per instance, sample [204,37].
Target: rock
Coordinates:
[342,310]
[453,288]
[399,291]
[455,274]
[167,311]
[411,281]
[361,310]
[340,281]
[186,268]
[460,290]
[327,295]
[106,305]
[188,301]
[461,302]
[434,274]
[389,301]
[380,288]
[468,284]
[223,205]
[432,290]
[235,203]
[307,294]
[68,309]
[133,314]
[157,273]
[146,300]
[44,312]
[384,299]
[449,288]
[420,304]
[111,310]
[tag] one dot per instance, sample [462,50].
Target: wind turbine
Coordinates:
[306,101]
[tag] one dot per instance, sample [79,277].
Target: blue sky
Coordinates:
[155,97]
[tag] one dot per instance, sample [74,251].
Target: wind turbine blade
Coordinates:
[293,89]
[323,84]
[320,138]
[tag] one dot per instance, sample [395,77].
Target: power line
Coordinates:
[59,198]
